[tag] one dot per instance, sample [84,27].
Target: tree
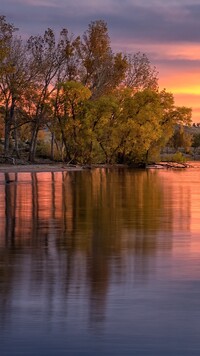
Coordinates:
[70,113]
[7,71]
[196,140]
[47,62]
[105,120]
[171,116]
[101,106]
[181,139]
[144,114]
[196,143]
[13,84]
[140,74]
[101,69]
[124,125]
[68,70]
[6,33]
[126,128]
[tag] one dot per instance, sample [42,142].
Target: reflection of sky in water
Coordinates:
[102,262]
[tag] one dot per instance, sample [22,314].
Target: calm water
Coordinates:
[101,262]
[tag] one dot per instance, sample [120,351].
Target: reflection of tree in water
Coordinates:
[71,230]
[10,207]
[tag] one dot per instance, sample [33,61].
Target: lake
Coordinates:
[100,262]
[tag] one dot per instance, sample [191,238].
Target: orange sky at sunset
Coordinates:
[183,81]
[185,88]
[178,70]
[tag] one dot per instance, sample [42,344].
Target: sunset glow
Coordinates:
[186,89]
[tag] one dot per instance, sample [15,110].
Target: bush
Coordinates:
[176,157]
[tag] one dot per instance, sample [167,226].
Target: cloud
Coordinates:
[141,21]
[158,25]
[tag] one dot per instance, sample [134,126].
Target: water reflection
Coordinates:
[67,238]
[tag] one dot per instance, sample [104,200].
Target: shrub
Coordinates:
[176,157]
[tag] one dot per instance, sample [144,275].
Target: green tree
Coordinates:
[172,115]
[143,113]
[124,125]
[105,122]
[181,139]
[70,112]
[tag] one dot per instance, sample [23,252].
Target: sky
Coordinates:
[167,31]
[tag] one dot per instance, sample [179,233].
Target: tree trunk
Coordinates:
[16,148]
[147,156]
[64,142]
[52,145]
[7,128]
[9,118]
[33,143]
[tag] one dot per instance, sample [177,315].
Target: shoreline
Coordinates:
[41,167]
[62,167]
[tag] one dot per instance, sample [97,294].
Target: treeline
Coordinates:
[98,106]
